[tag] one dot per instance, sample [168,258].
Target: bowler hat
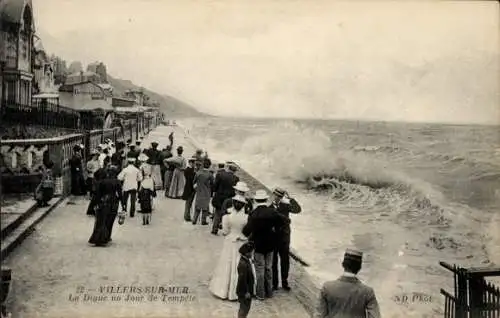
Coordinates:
[154,144]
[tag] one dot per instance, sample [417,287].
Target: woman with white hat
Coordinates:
[242,189]
[145,167]
[225,277]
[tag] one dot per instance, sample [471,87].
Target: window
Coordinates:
[10,92]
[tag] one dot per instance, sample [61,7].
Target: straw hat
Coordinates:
[241,186]
[279,192]
[261,195]
[239,198]
[143,157]
[131,159]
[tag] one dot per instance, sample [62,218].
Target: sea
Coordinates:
[408,195]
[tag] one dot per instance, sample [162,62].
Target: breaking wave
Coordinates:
[354,178]
[357,176]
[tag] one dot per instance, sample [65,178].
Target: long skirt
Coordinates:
[101,234]
[177,185]
[168,180]
[78,186]
[156,176]
[110,221]
[225,277]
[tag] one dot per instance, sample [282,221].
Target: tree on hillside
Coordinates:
[60,69]
[100,69]
[75,67]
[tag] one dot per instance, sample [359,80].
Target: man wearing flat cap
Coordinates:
[284,205]
[347,296]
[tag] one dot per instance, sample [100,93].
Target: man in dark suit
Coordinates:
[118,156]
[260,229]
[223,189]
[284,205]
[188,194]
[347,296]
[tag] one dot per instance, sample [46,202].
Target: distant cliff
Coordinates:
[169,105]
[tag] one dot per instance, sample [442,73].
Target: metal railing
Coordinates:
[473,295]
[48,114]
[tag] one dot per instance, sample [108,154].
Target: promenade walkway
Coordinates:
[57,274]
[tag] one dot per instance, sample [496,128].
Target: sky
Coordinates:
[372,60]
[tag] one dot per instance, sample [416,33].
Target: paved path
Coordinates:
[57,274]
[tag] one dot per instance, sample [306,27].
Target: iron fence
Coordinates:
[49,114]
[473,296]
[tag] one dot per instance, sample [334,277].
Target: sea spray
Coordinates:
[376,189]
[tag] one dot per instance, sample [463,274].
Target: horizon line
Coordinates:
[449,123]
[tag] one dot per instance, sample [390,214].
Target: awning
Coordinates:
[46,95]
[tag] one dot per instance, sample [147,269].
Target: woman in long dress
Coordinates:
[225,277]
[108,197]
[178,179]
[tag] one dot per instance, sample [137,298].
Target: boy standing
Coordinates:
[245,288]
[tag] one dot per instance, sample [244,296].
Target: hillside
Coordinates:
[169,105]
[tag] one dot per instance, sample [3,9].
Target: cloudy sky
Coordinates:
[409,61]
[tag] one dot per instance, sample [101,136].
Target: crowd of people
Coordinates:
[256,226]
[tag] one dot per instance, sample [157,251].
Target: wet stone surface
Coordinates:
[160,270]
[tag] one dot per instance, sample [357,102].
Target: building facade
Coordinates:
[17,29]
[80,77]
[84,96]
[137,95]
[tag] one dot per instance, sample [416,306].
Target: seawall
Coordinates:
[305,287]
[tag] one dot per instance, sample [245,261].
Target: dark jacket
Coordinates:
[134,154]
[223,187]
[245,278]
[153,156]
[189,175]
[261,226]
[347,297]
[109,193]
[284,210]
[228,203]
[117,159]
